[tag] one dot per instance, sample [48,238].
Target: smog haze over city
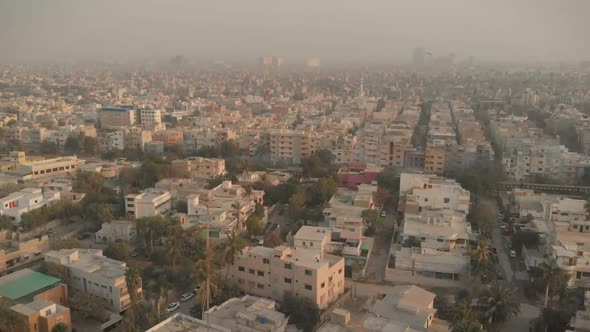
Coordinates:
[295,165]
[342,30]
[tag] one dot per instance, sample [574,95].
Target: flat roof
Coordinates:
[24,283]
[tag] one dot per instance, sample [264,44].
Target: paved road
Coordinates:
[378,258]
[500,244]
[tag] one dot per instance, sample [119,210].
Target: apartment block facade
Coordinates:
[276,272]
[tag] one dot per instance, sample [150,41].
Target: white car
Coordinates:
[172,307]
[512,254]
[187,296]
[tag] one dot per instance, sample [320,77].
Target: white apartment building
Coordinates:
[435,211]
[216,206]
[26,200]
[117,230]
[291,145]
[92,273]
[150,203]
[275,272]
[151,119]
[247,314]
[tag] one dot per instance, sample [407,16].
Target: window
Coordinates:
[311,244]
[288,280]
[48,312]
[308,287]
[339,271]
[323,284]
[308,272]
[447,200]
[288,266]
[261,286]
[241,268]
[303,243]
[261,273]
[251,271]
[265,261]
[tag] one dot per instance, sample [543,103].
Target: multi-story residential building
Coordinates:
[248,314]
[181,322]
[26,200]
[276,272]
[112,141]
[137,138]
[435,211]
[291,145]
[117,230]
[150,203]
[92,273]
[217,206]
[39,300]
[168,137]
[151,119]
[45,168]
[116,117]
[17,250]
[198,167]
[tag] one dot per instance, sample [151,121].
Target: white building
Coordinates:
[117,230]
[435,211]
[149,203]
[92,273]
[247,314]
[151,119]
[26,200]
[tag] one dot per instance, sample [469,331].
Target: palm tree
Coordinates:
[554,278]
[158,290]
[60,327]
[237,206]
[501,304]
[133,281]
[9,319]
[173,250]
[465,319]
[233,249]
[482,254]
[209,276]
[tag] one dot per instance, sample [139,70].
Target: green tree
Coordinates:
[234,246]
[526,237]
[157,290]
[9,319]
[484,217]
[209,286]
[272,240]
[302,312]
[554,278]
[67,243]
[237,206]
[6,223]
[501,305]
[118,251]
[254,225]
[371,217]
[49,148]
[87,305]
[60,327]
[482,254]
[388,179]
[133,282]
[465,317]
[173,250]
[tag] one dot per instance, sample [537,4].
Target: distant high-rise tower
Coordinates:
[313,63]
[418,56]
[362,88]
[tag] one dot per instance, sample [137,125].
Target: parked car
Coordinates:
[187,296]
[196,290]
[172,307]
[512,254]
[83,236]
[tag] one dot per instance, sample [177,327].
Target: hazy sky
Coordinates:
[62,30]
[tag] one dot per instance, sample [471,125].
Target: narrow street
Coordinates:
[500,245]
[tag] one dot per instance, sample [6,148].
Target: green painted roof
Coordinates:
[26,285]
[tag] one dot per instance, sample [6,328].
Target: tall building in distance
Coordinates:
[418,57]
[271,62]
[313,63]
